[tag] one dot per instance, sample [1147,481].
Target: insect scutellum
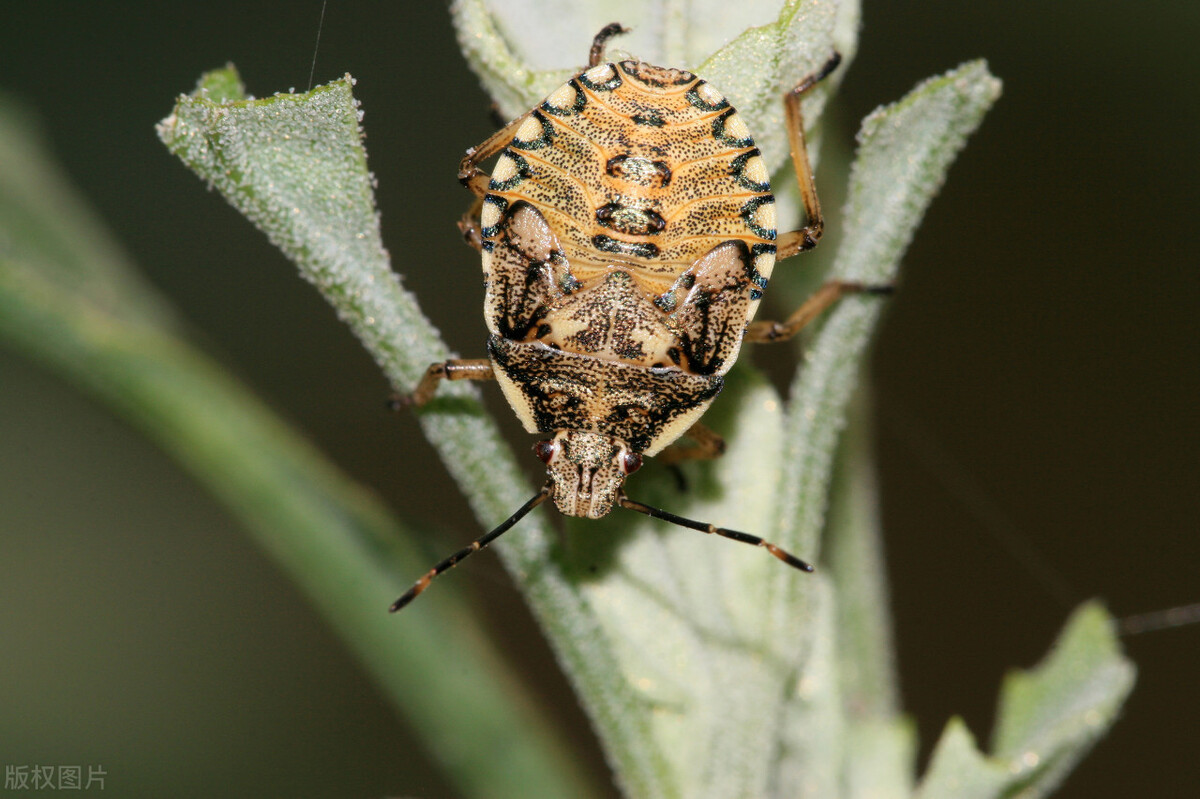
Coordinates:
[627,233]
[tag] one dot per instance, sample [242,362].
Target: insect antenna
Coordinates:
[745,538]
[475,546]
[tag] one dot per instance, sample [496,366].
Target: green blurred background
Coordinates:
[1036,382]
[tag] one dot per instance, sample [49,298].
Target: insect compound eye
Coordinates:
[545,450]
[631,462]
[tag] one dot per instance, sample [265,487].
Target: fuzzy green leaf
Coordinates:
[880,748]
[904,152]
[925,130]
[295,165]
[1049,717]
[959,771]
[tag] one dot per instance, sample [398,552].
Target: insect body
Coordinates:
[627,233]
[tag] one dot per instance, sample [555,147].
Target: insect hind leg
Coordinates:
[788,244]
[824,297]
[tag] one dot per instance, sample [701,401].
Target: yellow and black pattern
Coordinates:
[649,165]
[557,390]
[630,221]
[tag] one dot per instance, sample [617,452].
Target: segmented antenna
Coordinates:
[625,502]
[475,546]
[745,538]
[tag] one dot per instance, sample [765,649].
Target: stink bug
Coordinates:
[627,233]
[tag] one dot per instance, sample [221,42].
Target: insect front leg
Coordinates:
[805,238]
[455,369]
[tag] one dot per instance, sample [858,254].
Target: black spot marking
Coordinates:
[629,350]
[748,211]
[637,249]
[634,413]
[737,170]
[604,213]
[559,401]
[641,171]
[720,134]
[668,301]
[541,141]
[630,221]
[658,77]
[693,97]
[650,120]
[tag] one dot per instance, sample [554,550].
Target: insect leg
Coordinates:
[469,173]
[805,238]
[824,297]
[709,445]
[607,32]
[468,226]
[460,369]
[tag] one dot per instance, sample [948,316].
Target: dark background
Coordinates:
[1036,382]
